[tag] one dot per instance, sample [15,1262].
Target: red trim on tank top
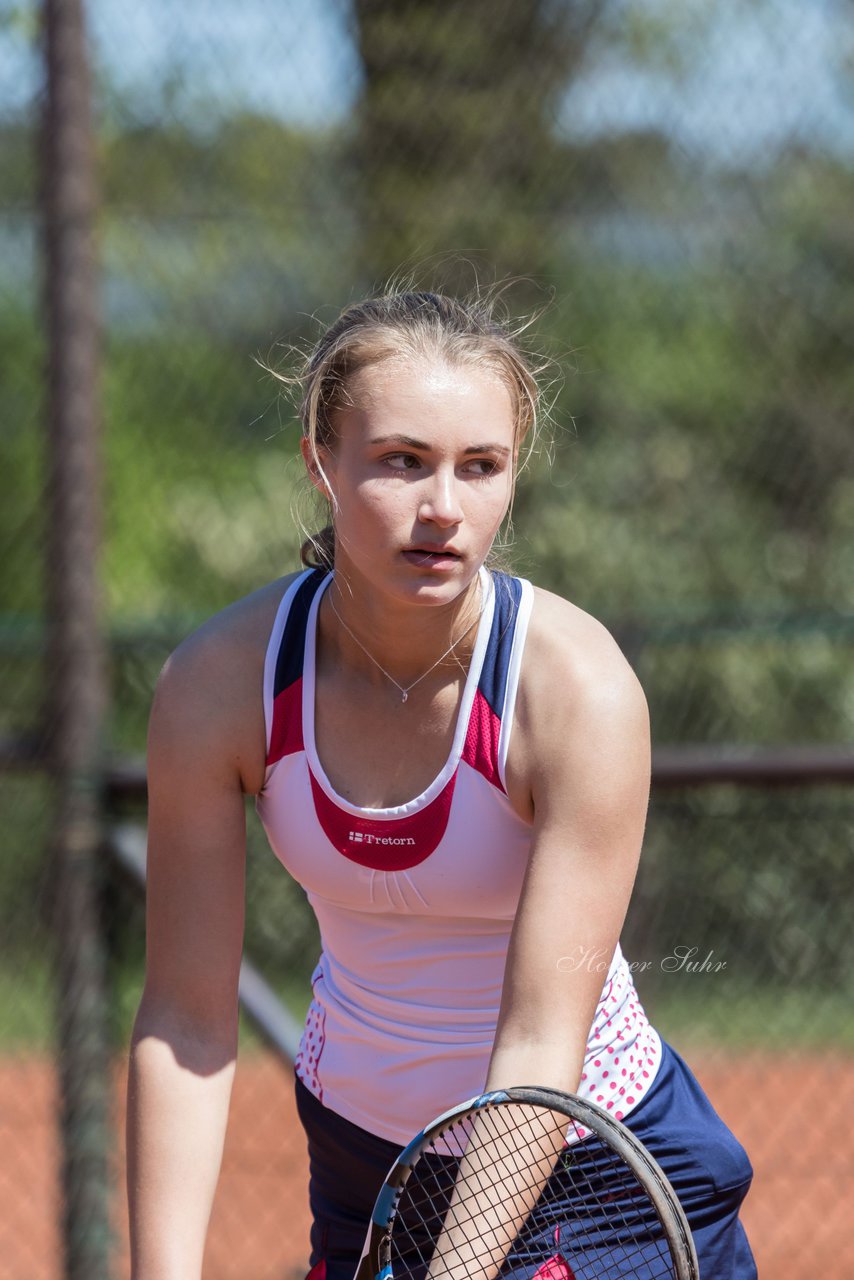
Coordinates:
[286,733]
[480,749]
[390,844]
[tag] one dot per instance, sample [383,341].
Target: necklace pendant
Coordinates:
[404,695]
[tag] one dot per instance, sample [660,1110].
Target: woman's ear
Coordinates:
[315,474]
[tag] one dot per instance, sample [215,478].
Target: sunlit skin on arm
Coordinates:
[584,748]
[206,749]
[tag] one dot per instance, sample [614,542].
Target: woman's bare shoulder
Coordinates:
[209,692]
[574,670]
[563,629]
[229,633]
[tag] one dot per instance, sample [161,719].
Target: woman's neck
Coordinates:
[392,642]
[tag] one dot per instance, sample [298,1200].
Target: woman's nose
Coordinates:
[440,502]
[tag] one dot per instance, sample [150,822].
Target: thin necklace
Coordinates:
[404,689]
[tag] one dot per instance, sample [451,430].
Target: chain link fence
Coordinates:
[672,186]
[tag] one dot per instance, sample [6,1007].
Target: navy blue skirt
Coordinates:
[707,1166]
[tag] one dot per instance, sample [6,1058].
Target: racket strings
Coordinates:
[592,1220]
[507,1173]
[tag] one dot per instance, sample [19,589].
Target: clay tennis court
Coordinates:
[789,1113]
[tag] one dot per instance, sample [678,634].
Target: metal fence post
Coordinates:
[77,666]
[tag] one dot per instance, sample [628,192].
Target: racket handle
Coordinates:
[363,1270]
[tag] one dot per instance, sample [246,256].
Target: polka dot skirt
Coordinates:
[623,1050]
[310,1049]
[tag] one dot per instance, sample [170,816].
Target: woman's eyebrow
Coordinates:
[411,443]
[500,449]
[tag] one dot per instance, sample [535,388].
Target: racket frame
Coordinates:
[375,1262]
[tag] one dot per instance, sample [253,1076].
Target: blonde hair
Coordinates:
[402,322]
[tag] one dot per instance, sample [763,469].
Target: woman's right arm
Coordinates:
[184,1044]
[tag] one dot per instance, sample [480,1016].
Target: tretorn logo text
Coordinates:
[365,837]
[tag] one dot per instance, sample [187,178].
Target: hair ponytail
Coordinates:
[318,549]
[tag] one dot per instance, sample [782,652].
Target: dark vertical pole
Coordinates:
[77,676]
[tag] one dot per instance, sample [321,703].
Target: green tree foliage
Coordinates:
[455,146]
[710,464]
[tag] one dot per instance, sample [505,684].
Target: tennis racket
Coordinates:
[532,1184]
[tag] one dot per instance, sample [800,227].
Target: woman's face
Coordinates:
[421,472]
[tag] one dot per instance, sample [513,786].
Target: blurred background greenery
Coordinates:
[672,183]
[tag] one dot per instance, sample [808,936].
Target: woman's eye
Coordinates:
[480,467]
[401,461]
[483,466]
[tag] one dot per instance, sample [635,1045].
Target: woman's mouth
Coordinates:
[428,558]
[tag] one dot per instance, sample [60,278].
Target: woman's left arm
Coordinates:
[586,751]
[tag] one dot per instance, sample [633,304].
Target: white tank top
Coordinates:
[415,903]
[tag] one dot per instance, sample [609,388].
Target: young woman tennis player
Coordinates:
[455,765]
